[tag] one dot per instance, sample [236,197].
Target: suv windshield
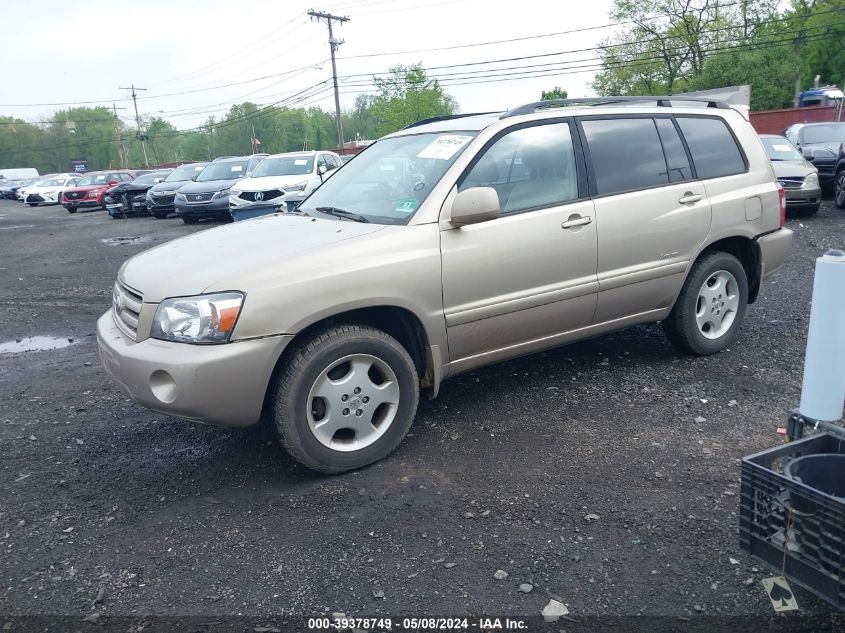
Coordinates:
[284,166]
[779,148]
[388,182]
[832,133]
[185,172]
[230,170]
[94,179]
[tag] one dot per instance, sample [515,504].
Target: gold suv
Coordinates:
[452,244]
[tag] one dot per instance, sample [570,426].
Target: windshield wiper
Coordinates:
[342,213]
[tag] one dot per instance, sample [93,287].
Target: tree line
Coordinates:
[702,44]
[401,97]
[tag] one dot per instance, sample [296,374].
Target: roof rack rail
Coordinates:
[664,101]
[445,117]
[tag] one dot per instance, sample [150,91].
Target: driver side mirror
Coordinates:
[194,178]
[808,156]
[474,205]
[322,169]
[112,183]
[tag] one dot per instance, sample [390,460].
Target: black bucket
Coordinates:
[823,472]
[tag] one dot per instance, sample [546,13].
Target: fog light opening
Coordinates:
[163,386]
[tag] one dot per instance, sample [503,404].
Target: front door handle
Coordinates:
[689,198]
[575,220]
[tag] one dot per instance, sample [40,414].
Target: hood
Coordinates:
[272,182]
[792,168]
[226,258]
[134,187]
[170,186]
[208,186]
[89,187]
[822,150]
[42,189]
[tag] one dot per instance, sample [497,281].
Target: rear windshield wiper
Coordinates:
[342,213]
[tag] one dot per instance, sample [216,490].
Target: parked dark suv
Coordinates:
[819,142]
[208,196]
[839,178]
[160,198]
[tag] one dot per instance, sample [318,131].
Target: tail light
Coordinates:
[782,201]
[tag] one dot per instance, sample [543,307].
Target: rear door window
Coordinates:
[626,154]
[713,148]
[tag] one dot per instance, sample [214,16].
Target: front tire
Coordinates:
[345,398]
[709,311]
[32,204]
[159,216]
[839,189]
[188,220]
[71,210]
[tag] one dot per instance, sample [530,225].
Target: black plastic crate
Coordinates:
[816,540]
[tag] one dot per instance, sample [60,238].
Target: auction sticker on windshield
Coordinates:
[444,147]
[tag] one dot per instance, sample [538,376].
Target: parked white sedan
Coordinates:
[49,190]
[280,182]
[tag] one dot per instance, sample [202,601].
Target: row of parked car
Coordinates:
[236,187]
[808,158]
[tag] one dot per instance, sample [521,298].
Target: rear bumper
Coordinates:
[223,385]
[774,250]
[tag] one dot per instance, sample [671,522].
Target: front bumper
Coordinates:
[223,385]
[160,204]
[204,210]
[82,203]
[774,250]
[796,198]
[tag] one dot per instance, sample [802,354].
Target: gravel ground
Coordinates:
[604,474]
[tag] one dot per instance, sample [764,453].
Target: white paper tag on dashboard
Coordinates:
[444,146]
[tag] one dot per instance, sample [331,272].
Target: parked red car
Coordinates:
[92,188]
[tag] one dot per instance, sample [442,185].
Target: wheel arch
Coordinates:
[746,250]
[399,322]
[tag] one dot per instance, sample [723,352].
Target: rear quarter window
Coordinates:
[714,150]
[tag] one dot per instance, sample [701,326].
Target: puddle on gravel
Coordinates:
[129,239]
[35,344]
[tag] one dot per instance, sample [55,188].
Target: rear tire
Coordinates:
[709,311]
[839,188]
[345,398]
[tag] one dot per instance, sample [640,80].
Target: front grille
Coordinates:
[164,200]
[75,195]
[198,198]
[270,194]
[791,182]
[126,305]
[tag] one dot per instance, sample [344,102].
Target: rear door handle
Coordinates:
[689,197]
[575,220]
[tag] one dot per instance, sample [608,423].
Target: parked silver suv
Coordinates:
[452,244]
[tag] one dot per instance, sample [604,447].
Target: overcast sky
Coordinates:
[58,51]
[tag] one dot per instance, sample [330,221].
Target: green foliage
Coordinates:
[407,95]
[555,93]
[704,44]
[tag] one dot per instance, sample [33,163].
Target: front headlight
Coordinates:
[220,194]
[93,194]
[812,180]
[201,319]
[297,187]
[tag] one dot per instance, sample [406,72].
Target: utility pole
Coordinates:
[117,136]
[141,136]
[334,44]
